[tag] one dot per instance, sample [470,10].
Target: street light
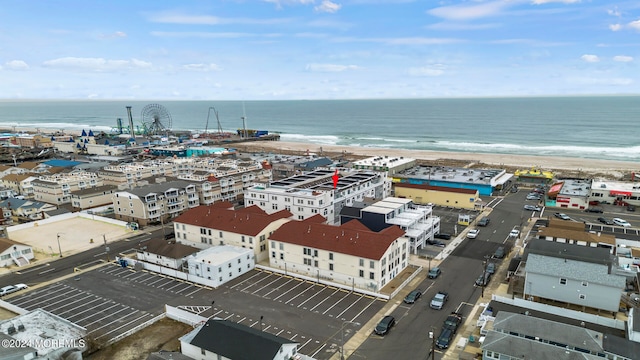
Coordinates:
[212,308]
[59,248]
[342,336]
[261,318]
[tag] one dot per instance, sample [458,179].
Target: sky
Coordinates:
[317,49]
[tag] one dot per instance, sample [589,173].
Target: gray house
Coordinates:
[572,274]
[518,336]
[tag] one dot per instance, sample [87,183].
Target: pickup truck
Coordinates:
[438,300]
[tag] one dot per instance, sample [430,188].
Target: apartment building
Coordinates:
[155,203]
[207,226]
[313,193]
[349,254]
[220,264]
[56,189]
[93,197]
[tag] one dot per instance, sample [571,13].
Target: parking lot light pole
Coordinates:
[342,336]
[59,248]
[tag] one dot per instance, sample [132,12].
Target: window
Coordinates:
[563,281]
[371,264]
[372,276]
[330,256]
[361,263]
[281,256]
[281,246]
[584,283]
[582,296]
[331,267]
[361,273]
[315,263]
[273,254]
[315,253]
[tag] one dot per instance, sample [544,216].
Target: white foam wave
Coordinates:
[54,126]
[316,139]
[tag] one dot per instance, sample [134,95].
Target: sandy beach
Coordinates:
[599,168]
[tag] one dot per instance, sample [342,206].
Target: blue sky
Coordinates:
[315,49]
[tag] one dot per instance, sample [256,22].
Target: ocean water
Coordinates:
[597,127]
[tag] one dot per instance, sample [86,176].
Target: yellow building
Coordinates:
[439,195]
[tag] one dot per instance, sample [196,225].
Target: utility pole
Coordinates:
[59,248]
[432,335]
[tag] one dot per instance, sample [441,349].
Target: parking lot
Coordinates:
[111,300]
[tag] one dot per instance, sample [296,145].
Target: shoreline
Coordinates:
[578,165]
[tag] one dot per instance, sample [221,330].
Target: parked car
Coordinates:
[532,207]
[443,236]
[445,338]
[483,280]
[413,296]
[594,210]
[436,243]
[434,272]
[473,233]
[385,325]
[452,322]
[562,216]
[12,288]
[499,253]
[484,221]
[491,267]
[605,221]
[631,208]
[534,197]
[620,222]
[514,233]
[439,300]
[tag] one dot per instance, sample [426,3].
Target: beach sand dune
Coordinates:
[564,165]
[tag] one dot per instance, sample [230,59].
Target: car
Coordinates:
[605,221]
[445,338]
[436,243]
[620,222]
[532,207]
[499,253]
[514,233]
[484,221]
[439,300]
[483,279]
[8,290]
[491,267]
[631,208]
[473,233]
[21,286]
[562,216]
[434,272]
[413,296]
[514,189]
[443,236]
[538,191]
[533,197]
[595,210]
[385,325]
[452,322]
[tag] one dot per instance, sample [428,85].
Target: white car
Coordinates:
[514,233]
[620,222]
[473,233]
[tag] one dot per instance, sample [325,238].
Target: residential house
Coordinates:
[207,226]
[220,264]
[56,189]
[14,253]
[417,221]
[26,210]
[223,339]
[519,336]
[314,193]
[569,273]
[349,254]
[18,183]
[92,197]
[166,253]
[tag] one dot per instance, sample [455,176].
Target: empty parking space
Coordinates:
[151,279]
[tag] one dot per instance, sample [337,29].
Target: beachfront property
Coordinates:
[439,195]
[56,189]
[569,193]
[222,339]
[214,225]
[418,222]
[389,165]
[283,166]
[568,273]
[313,193]
[485,181]
[92,197]
[218,265]
[155,203]
[533,176]
[14,253]
[616,192]
[523,336]
[349,254]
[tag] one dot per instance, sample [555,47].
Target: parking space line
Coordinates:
[168,282]
[269,283]
[140,274]
[62,300]
[300,293]
[92,309]
[108,316]
[194,291]
[279,332]
[363,310]
[305,344]
[243,281]
[227,318]
[114,270]
[286,292]
[348,307]
[188,286]
[29,297]
[131,272]
[74,309]
[178,284]
[286,282]
[335,303]
[148,276]
[118,328]
[45,295]
[159,279]
[312,296]
[319,349]
[323,300]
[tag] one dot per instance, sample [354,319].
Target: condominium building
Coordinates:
[314,193]
[207,226]
[56,189]
[349,254]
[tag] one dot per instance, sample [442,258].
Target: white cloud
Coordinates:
[330,67]
[623,58]
[95,64]
[186,19]
[603,81]
[117,34]
[327,7]
[466,12]
[590,58]
[461,26]
[614,12]
[201,67]
[540,2]
[16,65]
[431,70]
[615,27]
[634,25]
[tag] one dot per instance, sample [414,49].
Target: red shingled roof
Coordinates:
[350,240]
[247,221]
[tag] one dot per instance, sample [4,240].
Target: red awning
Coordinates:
[618,192]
